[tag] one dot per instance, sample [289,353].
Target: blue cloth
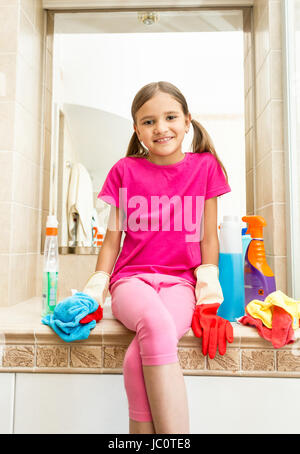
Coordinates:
[65,320]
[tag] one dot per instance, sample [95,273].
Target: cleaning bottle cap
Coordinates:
[51,225]
[255,226]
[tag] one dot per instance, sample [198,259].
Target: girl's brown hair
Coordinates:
[201,142]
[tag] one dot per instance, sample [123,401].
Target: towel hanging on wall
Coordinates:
[80,201]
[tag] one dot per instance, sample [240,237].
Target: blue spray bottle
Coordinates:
[231,269]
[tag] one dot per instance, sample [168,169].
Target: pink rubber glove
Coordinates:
[214,330]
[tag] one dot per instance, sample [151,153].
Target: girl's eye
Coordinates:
[171,116]
[147,122]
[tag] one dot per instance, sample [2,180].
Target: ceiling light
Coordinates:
[148,18]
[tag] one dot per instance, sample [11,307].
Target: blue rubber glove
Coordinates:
[65,320]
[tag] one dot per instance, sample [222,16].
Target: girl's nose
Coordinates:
[160,127]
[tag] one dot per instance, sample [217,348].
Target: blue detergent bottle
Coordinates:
[231,269]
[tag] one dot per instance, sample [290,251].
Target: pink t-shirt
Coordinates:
[162,208]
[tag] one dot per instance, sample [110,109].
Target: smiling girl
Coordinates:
[164,281]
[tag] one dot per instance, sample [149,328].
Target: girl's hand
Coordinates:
[214,330]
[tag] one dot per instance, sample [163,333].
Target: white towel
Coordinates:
[80,201]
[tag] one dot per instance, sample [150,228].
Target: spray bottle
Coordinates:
[259,278]
[231,269]
[50,269]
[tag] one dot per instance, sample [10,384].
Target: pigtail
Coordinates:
[202,143]
[135,148]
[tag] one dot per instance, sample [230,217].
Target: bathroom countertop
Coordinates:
[27,345]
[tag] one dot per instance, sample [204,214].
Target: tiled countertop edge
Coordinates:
[26,345]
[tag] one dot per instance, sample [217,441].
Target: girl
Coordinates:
[166,277]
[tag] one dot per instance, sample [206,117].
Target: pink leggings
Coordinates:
[159,308]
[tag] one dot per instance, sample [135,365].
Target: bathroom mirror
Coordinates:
[100,61]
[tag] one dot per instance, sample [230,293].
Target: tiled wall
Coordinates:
[25,151]
[21,91]
[265,164]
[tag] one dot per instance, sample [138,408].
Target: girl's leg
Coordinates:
[139,408]
[168,399]
[165,384]
[137,305]
[140,427]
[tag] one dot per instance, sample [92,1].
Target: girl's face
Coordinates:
[161,125]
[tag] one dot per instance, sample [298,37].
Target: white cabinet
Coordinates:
[70,403]
[6,403]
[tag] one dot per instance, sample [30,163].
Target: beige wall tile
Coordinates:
[50,32]
[249,110]
[5,227]
[261,7]
[22,175]
[8,28]
[248,72]
[52,356]
[19,228]
[7,127]
[4,279]
[191,358]
[276,69]
[6,166]
[249,193]
[49,71]
[288,361]
[29,7]
[280,272]
[249,149]
[278,176]
[86,356]
[247,31]
[258,360]
[47,150]
[18,356]
[31,273]
[74,272]
[114,357]
[18,291]
[275,231]
[40,17]
[263,87]
[262,41]
[263,134]
[229,361]
[275,25]
[279,230]
[271,179]
[48,110]
[277,125]
[33,230]
[267,213]
[7,77]
[26,38]
[46,190]
[24,131]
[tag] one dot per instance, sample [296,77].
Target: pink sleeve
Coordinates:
[113,182]
[216,181]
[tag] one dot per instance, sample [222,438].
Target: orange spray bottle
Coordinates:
[259,278]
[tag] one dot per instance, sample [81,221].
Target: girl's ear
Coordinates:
[135,129]
[188,119]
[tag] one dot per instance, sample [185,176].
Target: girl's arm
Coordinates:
[111,245]
[210,243]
